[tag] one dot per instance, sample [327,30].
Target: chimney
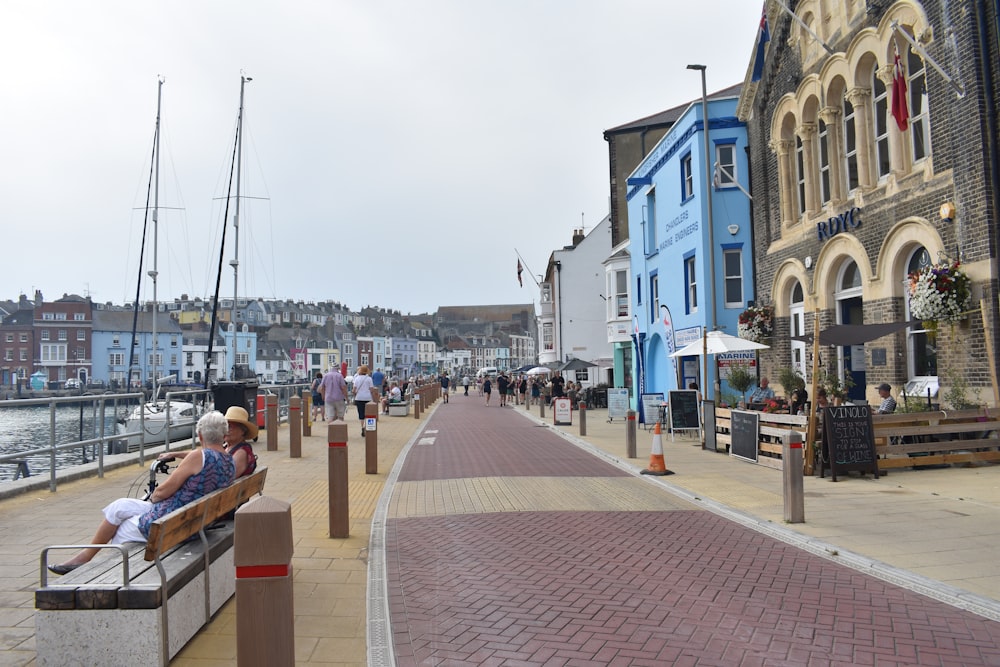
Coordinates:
[577,237]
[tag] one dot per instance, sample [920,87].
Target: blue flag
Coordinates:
[763,37]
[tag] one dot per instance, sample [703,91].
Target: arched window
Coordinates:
[917,86]
[921,357]
[800,167]
[880,109]
[824,163]
[850,146]
[796,326]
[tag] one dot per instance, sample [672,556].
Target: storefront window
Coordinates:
[921,349]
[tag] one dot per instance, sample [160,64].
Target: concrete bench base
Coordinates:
[399,409]
[69,633]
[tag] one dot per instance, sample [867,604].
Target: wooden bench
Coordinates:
[143,607]
[772,427]
[916,439]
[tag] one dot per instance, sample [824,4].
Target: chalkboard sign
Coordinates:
[651,407]
[744,427]
[708,411]
[683,410]
[850,439]
[617,403]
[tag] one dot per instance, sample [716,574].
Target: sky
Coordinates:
[396,153]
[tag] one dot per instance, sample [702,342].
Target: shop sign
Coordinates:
[839,223]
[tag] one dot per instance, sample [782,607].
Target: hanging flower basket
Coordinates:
[940,293]
[756,323]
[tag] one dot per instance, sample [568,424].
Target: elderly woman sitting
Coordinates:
[198,474]
[395,395]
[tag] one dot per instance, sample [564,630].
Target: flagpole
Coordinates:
[956,86]
[530,274]
[804,26]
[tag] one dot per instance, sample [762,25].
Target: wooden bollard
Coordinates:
[294,427]
[307,413]
[265,610]
[340,520]
[541,407]
[271,422]
[416,403]
[583,418]
[371,438]
[630,434]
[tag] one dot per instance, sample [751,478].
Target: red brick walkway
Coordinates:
[673,587]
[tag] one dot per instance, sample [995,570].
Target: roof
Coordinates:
[670,116]
[121,320]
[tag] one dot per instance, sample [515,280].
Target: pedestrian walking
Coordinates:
[502,383]
[465,383]
[486,388]
[333,387]
[317,398]
[362,394]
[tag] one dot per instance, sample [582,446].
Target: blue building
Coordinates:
[112,336]
[684,273]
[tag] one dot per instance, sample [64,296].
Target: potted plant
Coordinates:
[940,293]
[836,387]
[741,379]
[790,379]
[756,323]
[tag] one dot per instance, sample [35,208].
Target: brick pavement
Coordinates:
[484,568]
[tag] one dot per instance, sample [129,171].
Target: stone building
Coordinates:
[866,168]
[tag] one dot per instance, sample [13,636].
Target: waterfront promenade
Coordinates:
[504,540]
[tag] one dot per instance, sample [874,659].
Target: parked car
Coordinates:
[72,383]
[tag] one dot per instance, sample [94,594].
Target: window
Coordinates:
[621,294]
[654,297]
[116,341]
[364,358]
[45,334]
[922,350]
[638,290]
[62,334]
[173,341]
[687,178]
[732,259]
[242,358]
[547,342]
[10,338]
[24,355]
[81,353]
[649,220]
[81,334]
[850,146]
[725,162]
[880,109]
[173,359]
[919,133]
[800,176]
[24,338]
[797,328]
[546,293]
[156,360]
[48,316]
[822,138]
[60,316]
[116,359]
[691,284]
[8,355]
[79,317]
[53,353]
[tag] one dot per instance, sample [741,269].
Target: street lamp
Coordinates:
[711,225]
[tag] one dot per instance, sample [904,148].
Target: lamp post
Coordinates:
[711,225]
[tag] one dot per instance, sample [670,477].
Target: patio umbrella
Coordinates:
[539,370]
[715,342]
[576,365]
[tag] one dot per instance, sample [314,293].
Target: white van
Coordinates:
[486,370]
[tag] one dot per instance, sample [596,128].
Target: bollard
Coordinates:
[583,418]
[415,397]
[541,407]
[340,523]
[630,434]
[307,413]
[265,610]
[294,428]
[271,422]
[371,438]
[791,473]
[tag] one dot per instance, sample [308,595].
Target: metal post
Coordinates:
[583,419]
[630,434]
[340,523]
[294,429]
[791,472]
[371,438]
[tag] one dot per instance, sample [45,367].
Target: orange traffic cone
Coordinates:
[656,463]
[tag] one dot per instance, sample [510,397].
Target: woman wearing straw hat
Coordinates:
[241,431]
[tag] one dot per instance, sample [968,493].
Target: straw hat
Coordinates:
[242,417]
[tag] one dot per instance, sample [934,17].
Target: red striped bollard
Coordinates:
[265,610]
[340,521]
[294,428]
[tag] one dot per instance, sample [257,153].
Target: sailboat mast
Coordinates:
[235,262]
[156,218]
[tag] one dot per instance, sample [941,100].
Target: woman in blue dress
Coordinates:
[198,474]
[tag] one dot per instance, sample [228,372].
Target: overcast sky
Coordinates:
[396,152]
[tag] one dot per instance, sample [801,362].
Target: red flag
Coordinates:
[519,269]
[900,105]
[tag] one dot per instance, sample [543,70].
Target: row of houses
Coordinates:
[117,346]
[856,161]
